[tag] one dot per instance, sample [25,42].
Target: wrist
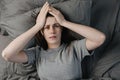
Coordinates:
[38,26]
[64,23]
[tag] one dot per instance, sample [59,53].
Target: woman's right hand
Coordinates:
[40,21]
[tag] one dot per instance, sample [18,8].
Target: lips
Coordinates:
[52,37]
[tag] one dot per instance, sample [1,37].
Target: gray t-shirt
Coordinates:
[63,63]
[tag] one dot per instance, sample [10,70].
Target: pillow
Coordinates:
[77,11]
[13,71]
[19,15]
[0,16]
[4,41]
[15,9]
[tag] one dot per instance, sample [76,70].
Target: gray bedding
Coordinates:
[104,16]
[17,16]
[4,40]
[14,71]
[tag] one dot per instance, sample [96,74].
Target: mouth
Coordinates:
[52,37]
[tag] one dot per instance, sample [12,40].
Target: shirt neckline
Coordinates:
[55,49]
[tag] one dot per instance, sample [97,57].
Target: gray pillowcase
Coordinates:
[77,11]
[0,16]
[17,16]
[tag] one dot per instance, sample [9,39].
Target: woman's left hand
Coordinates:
[57,14]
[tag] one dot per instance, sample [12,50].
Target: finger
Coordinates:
[53,9]
[52,13]
[44,8]
[46,3]
[46,11]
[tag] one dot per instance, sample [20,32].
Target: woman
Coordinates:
[58,60]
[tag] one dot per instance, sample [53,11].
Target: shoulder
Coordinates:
[77,44]
[32,50]
[79,47]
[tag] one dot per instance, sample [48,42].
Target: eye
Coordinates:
[56,25]
[47,27]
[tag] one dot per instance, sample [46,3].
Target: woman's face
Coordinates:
[52,31]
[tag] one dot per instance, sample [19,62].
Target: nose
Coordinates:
[52,30]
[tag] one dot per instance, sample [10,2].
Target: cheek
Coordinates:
[59,33]
[45,34]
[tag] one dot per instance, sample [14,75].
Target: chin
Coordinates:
[53,42]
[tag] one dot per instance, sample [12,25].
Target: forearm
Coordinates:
[85,31]
[94,38]
[19,43]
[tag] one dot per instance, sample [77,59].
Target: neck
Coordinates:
[50,46]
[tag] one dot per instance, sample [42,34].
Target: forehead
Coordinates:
[50,20]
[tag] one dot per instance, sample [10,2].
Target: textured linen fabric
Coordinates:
[62,63]
[109,64]
[14,71]
[17,16]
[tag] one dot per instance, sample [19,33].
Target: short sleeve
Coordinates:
[31,52]
[81,49]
